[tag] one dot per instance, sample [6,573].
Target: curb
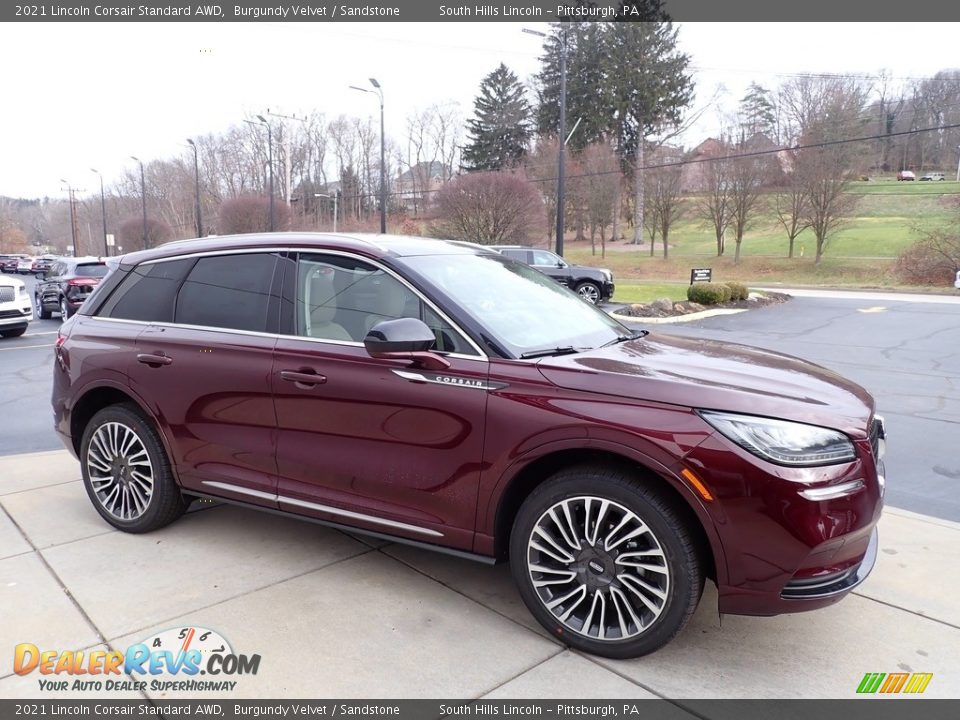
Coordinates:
[678,318]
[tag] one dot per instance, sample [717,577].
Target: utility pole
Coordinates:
[103,213]
[196,173]
[73,216]
[143,199]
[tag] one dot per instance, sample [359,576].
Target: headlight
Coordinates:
[608,275]
[23,291]
[783,442]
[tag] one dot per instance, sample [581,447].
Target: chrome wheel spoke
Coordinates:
[598,568]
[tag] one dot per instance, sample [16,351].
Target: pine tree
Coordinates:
[501,128]
[757,112]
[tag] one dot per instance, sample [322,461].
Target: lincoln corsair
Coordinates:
[452,398]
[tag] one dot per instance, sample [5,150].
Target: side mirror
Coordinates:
[561,264]
[404,339]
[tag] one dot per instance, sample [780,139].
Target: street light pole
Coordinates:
[383,155]
[263,121]
[196,172]
[561,135]
[73,220]
[334,198]
[103,213]
[143,199]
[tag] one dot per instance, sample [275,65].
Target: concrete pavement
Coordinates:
[333,615]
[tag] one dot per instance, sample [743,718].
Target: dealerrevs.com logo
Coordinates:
[188,659]
[894,683]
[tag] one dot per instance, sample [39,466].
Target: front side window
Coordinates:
[341,299]
[227,291]
[545,259]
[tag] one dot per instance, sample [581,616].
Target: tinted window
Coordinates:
[91,270]
[340,298]
[148,292]
[520,255]
[228,291]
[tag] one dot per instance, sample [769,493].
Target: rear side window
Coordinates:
[148,292]
[521,255]
[228,291]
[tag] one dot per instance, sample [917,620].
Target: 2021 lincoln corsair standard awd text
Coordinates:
[452,398]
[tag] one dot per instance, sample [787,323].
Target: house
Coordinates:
[415,185]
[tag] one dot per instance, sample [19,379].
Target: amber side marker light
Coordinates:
[697,484]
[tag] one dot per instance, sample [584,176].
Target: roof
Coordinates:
[369,244]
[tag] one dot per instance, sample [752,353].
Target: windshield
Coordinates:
[523,309]
[92,270]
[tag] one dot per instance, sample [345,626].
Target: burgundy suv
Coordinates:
[455,399]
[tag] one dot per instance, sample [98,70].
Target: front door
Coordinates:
[367,442]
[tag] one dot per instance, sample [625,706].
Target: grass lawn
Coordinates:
[641,292]
[861,253]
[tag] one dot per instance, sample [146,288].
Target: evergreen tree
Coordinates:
[757,112]
[500,129]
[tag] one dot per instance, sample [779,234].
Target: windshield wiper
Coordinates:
[565,350]
[624,338]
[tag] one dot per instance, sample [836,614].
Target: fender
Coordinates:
[488,511]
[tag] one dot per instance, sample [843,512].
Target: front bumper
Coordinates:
[794,539]
[15,315]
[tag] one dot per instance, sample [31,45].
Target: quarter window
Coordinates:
[227,291]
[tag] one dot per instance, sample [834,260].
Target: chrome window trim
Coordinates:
[481,356]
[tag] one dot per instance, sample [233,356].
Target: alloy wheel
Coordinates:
[589,293]
[598,568]
[120,471]
[63,309]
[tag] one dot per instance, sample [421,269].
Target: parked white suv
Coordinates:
[16,309]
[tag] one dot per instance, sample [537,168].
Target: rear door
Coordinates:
[203,363]
[374,443]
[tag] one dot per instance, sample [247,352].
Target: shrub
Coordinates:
[931,261]
[251,214]
[488,208]
[708,293]
[738,291]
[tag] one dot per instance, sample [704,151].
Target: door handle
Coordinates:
[153,359]
[303,378]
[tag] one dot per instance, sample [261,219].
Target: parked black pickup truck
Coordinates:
[595,285]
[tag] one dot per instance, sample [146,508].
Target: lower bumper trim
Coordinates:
[837,583]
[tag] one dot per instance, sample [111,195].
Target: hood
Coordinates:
[10,281]
[713,375]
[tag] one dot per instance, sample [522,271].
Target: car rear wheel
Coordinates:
[42,313]
[589,292]
[605,563]
[65,312]
[127,473]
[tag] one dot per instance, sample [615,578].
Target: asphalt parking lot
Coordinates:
[333,615]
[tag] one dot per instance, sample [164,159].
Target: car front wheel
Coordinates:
[605,563]
[16,332]
[589,292]
[126,471]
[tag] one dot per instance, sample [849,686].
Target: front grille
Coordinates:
[8,294]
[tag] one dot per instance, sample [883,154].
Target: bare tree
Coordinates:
[666,202]
[130,233]
[792,209]
[714,203]
[250,214]
[748,174]
[600,170]
[488,208]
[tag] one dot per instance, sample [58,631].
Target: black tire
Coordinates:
[65,312]
[590,292]
[164,504]
[16,332]
[42,312]
[681,580]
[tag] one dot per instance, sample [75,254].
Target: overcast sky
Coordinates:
[84,95]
